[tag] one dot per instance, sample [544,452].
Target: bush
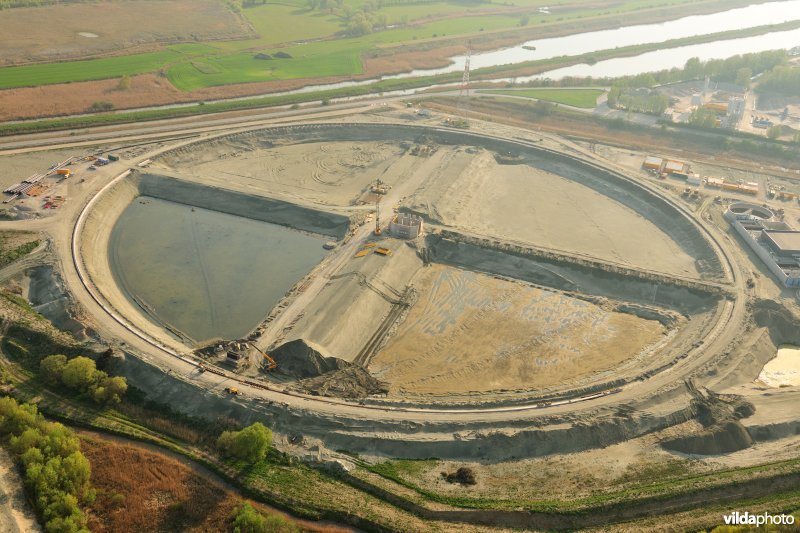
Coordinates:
[56,472]
[463,475]
[99,107]
[51,368]
[250,444]
[80,374]
[247,520]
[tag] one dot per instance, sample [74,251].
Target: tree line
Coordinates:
[8,4]
[80,375]
[55,471]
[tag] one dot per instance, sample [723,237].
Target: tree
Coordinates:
[51,368]
[110,389]
[693,68]
[743,76]
[250,444]
[124,83]
[524,20]
[775,131]
[79,373]
[703,118]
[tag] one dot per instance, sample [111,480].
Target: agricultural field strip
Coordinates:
[233,62]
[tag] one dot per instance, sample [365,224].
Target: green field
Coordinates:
[92,69]
[584,98]
[316,41]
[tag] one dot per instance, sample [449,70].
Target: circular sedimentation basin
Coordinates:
[492,282]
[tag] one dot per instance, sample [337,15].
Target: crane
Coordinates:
[378,216]
[271,364]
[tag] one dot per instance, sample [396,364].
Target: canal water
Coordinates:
[674,57]
[582,43]
[205,273]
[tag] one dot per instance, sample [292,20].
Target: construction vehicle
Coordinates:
[232,390]
[271,363]
[383,251]
[380,187]
[63,172]
[378,230]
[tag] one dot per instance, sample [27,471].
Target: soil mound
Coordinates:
[352,382]
[302,359]
[725,438]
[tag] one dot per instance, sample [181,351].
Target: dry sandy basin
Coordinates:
[524,203]
[333,174]
[470,332]
[463,187]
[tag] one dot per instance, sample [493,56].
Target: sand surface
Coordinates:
[784,370]
[524,203]
[16,516]
[324,173]
[472,332]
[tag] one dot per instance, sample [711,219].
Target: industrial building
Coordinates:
[406,226]
[773,241]
[673,166]
[653,163]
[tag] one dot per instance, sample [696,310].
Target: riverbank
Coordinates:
[75,98]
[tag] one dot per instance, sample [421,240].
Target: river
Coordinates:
[581,43]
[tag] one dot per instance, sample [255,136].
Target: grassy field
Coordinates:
[584,98]
[315,40]
[90,69]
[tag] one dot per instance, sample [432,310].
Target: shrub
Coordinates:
[247,520]
[51,368]
[56,472]
[99,107]
[80,374]
[250,444]
[463,475]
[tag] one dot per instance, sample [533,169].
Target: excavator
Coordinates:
[271,364]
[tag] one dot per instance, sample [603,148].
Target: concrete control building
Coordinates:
[406,226]
[775,243]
